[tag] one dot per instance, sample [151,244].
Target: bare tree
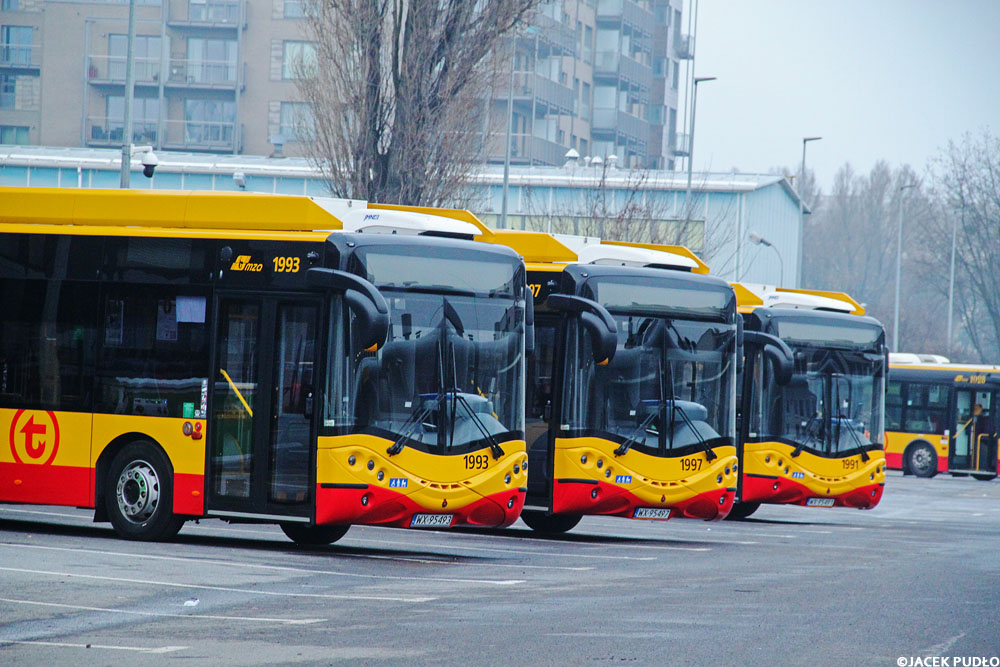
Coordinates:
[967,183]
[851,242]
[396,88]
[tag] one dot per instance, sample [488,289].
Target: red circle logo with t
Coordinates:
[34,436]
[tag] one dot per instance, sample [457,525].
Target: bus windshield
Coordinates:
[669,388]
[448,379]
[833,403]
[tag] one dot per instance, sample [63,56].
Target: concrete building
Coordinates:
[597,76]
[725,214]
[211,75]
[600,77]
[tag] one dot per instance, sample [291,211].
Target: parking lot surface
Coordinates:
[918,576]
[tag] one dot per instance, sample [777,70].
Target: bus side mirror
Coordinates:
[777,351]
[364,300]
[595,319]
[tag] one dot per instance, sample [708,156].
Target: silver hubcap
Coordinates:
[921,459]
[138,491]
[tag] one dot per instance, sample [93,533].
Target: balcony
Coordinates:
[20,56]
[681,144]
[553,33]
[110,70]
[621,123]
[218,14]
[546,91]
[618,65]
[627,12]
[202,135]
[529,149]
[684,47]
[105,132]
[210,74]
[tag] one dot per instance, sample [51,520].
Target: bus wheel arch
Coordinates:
[134,489]
[920,459]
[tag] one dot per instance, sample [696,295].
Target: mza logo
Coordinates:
[798,475]
[243,263]
[398,482]
[623,479]
[34,437]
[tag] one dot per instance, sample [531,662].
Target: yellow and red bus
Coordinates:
[174,355]
[630,400]
[942,417]
[811,403]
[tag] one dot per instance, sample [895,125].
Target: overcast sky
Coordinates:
[877,79]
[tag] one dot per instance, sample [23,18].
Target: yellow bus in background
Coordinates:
[166,356]
[811,404]
[942,417]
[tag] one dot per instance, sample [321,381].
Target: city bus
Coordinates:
[811,401]
[630,399]
[941,417]
[168,356]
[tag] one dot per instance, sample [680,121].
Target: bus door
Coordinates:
[261,438]
[974,443]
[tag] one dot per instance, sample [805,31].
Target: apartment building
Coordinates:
[597,76]
[210,75]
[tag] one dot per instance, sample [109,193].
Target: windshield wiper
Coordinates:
[627,445]
[709,454]
[861,445]
[457,398]
[810,436]
[411,422]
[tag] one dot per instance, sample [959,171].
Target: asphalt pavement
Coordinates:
[917,577]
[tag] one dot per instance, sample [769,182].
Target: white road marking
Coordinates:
[940,649]
[138,649]
[228,589]
[279,568]
[507,551]
[252,619]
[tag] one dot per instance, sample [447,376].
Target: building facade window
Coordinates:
[9,6]
[213,11]
[297,122]
[295,9]
[14,134]
[145,117]
[209,122]
[297,58]
[15,44]
[8,91]
[211,60]
[146,54]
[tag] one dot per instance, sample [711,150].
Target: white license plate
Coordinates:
[431,520]
[651,513]
[820,502]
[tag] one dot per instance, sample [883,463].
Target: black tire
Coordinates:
[741,511]
[922,459]
[313,536]
[549,523]
[139,494]
[984,476]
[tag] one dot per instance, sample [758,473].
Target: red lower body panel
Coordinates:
[762,490]
[189,494]
[571,497]
[389,508]
[46,484]
[894,461]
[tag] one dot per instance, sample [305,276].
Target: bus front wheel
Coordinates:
[315,536]
[923,460]
[741,511]
[549,523]
[139,495]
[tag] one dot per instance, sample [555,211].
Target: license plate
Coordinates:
[820,502]
[651,513]
[431,520]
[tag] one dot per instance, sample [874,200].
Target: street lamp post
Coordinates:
[802,214]
[899,264]
[129,92]
[694,102]
[951,277]
[760,240]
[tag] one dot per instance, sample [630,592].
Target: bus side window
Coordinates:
[154,352]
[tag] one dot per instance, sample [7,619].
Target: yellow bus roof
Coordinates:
[749,297]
